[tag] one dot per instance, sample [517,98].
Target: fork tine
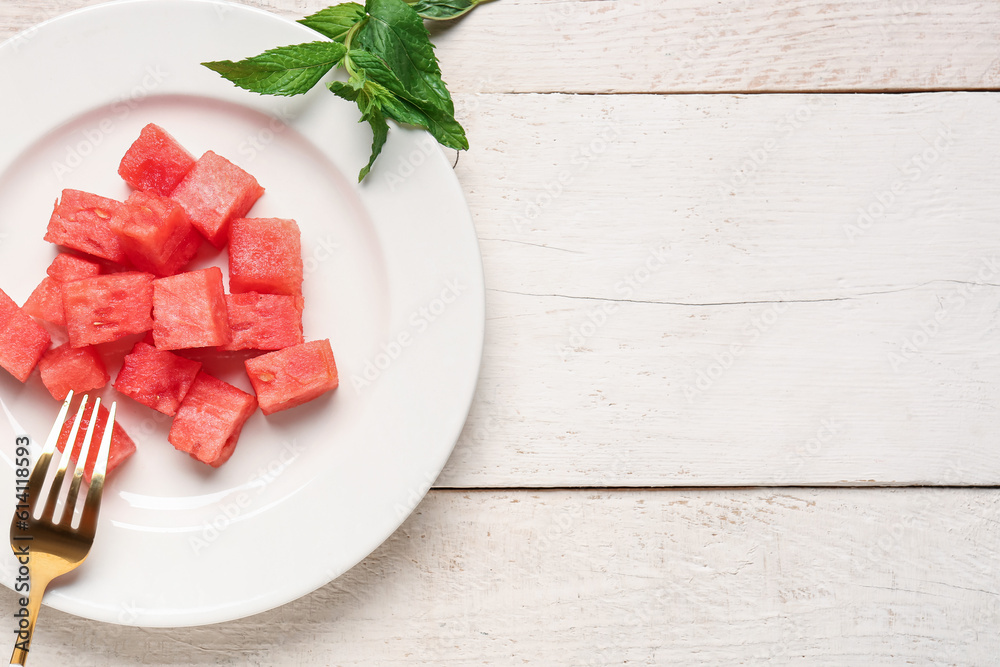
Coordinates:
[41,466]
[91,507]
[81,463]
[49,511]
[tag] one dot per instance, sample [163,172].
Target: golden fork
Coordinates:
[48,546]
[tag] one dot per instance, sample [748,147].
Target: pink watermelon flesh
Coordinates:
[155,162]
[122,446]
[264,321]
[156,233]
[215,192]
[22,340]
[80,221]
[189,310]
[106,308]
[156,378]
[265,255]
[64,368]
[66,268]
[46,302]
[293,376]
[209,421]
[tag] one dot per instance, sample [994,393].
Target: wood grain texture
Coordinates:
[684,291]
[615,46]
[643,46]
[766,577]
[713,290]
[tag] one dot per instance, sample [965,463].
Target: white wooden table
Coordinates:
[730,302]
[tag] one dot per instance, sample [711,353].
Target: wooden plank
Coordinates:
[618,46]
[606,46]
[776,577]
[675,313]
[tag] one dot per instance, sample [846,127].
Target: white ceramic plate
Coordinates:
[394,279]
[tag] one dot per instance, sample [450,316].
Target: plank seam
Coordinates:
[866,487]
[779,91]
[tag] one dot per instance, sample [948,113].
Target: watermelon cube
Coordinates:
[22,340]
[156,233]
[80,221]
[265,255]
[66,268]
[293,376]
[209,421]
[122,446]
[78,368]
[264,321]
[106,308]
[46,302]
[189,310]
[156,378]
[155,162]
[215,192]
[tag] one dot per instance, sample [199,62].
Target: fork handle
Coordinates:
[23,642]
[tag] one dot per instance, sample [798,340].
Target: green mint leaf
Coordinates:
[377,69]
[444,128]
[360,91]
[380,131]
[368,96]
[335,21]
[396,33]
[402,111]
[407,107]
[444,10]
[367,93]
[287,70]
[346,91]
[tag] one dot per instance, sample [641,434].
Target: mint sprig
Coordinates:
[393,73]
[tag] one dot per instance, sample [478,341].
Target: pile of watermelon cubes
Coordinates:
[121,272]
